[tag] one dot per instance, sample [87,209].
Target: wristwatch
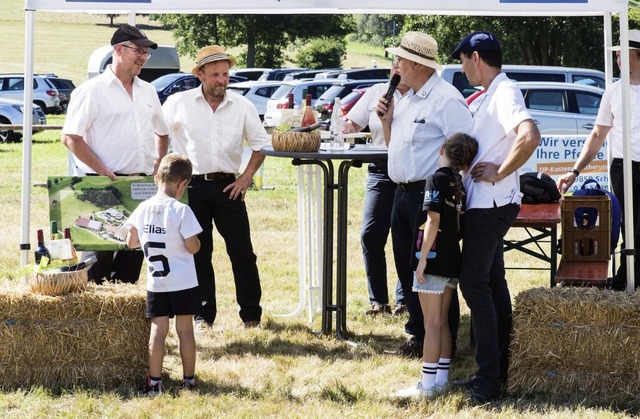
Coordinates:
[575,172]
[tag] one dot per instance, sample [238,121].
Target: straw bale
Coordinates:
[97,338]
[576,340]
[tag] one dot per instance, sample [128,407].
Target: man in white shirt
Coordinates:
[209,124]
[415,131]
[507,136]
[609,122]
[115,127]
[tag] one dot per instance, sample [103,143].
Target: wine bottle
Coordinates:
[67,238]
[290,101]
[337,123]
[79,266]
[55,235]
[41,250]
[308,118]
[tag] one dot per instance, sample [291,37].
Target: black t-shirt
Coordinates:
[439,196]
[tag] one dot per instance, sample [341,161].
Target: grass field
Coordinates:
[284,369]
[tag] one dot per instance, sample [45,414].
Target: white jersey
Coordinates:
[163,224]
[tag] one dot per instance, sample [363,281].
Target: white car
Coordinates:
[562,108]
[278,102]
[45,94]
[11,112]
[258,92]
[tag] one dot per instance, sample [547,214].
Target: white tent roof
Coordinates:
[440,7]
[603,8]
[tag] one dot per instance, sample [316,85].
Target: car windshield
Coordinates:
[282,91]
[331,93]
[163,81]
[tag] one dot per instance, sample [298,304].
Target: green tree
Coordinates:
[264,37]
[375,29]
[322,53]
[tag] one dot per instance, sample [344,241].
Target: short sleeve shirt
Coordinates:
[163,224]
[610,115]
[440,196]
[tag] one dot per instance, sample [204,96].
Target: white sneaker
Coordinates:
[417,391]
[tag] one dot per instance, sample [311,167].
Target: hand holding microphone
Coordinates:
[392,88]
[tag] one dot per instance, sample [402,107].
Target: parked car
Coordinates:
[306,74]
[562,108]
[258,92]
[64,87]
[324,104]
[248,73]
[45,94]
[358,74]
[279,99]
[11,112]
[173,83]
[347,103]
[278,73]
[453,74]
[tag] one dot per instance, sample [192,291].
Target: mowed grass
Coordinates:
[284,369]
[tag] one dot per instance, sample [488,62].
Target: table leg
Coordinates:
[554,256]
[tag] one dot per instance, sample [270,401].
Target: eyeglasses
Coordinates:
[139,53]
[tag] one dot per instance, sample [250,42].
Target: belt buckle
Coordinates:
[212,178]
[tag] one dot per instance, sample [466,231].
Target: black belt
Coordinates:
[214,176]
[418,184]
[120,174]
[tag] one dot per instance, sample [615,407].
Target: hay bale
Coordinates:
[97,338]
[576,341]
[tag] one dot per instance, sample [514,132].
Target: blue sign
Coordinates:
[543,1]
[108,1]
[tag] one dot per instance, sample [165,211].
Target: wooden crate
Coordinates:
[586,229]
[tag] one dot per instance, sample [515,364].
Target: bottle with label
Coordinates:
[41,250]
[337,124]
[308,118]
[79,266]
[67,238]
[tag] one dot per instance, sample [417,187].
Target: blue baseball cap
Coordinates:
[476,41]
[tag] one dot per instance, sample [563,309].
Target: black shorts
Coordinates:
[174,303]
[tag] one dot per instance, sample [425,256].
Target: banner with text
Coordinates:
[556,155]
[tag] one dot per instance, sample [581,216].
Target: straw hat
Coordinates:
[210,54]
[418,47]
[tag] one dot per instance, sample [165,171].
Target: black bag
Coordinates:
[538,188]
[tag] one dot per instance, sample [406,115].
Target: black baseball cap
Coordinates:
[476,41]
[127,32]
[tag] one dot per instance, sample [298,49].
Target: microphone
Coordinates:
[392,88]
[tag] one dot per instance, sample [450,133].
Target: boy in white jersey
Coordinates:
[167,230]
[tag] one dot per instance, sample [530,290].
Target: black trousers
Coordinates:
[404,217]
[211,205]
[484,287]
[122,266]
[617,183]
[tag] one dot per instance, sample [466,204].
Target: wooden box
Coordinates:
[586,229]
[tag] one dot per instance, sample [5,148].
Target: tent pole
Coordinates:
[27,123]
[626,147]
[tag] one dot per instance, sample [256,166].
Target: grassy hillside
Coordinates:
[64,41]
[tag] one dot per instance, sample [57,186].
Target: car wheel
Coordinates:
[42,105]
[6,135]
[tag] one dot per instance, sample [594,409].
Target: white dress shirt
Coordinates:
[496,114]
[119,129]
[213,141]
[421,123]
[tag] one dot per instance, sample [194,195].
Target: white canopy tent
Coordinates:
[605,8]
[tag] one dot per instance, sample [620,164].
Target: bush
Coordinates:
[322,53]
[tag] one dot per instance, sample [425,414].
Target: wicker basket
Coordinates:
[58,283]
[296,141]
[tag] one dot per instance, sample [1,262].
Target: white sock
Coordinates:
[429,374]
[442,376]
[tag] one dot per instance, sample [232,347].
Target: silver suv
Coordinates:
[562,108]
[11,112]
[45,94]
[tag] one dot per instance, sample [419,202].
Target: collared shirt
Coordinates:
[119,129]
[610,115]
[421,123]
[364,113]
[213,141]
[496,114]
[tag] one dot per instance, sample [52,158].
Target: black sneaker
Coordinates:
[188,385]
[378,309]
[482,391]
[399,309]
[148,390]
[411,348]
